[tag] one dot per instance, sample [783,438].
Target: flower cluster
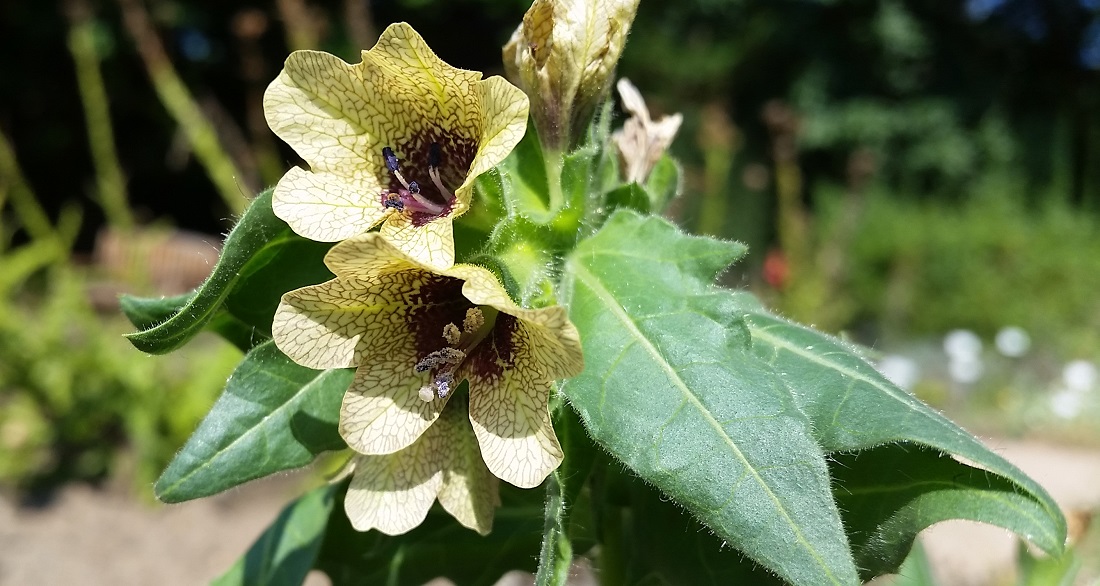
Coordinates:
[397,141]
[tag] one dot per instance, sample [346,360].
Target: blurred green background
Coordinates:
[901,169]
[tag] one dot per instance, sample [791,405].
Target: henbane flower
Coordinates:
[414,334]
[393,492]
[396,139]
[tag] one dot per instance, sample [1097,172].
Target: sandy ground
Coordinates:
[97,538]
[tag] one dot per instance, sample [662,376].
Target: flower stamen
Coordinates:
[435,158]
[410,197]
[444,362]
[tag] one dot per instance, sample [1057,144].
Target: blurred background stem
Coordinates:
[110,183]
[198,130]
[27,210]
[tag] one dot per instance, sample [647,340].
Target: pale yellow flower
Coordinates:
[563,56]
[396,139]
[393,492]
[415,334]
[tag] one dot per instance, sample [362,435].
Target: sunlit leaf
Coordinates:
[258,228]
[274,415]
[853,407]
[671,390]
[147,312]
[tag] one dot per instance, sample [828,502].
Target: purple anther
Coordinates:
[414,187]
[391,159]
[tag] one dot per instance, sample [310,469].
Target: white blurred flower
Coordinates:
[1013,341]
[1080,375]
[1067,403]
[965,371]
[900,370]
[962,345]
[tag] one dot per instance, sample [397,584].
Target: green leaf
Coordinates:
[257,229]
[439,547]
[274,415]
[631,196]
[916,570]
[853,407]
[664,183]
[285,552]
[889,493]
[670,389]
[283,264]
[147,312]
[668,546]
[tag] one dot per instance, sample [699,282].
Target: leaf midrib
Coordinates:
[250,431]
[615,308]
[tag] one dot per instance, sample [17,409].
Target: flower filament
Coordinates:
[408,197]
[444,362]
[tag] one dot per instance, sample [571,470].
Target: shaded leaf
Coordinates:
[889,493]
[669,546]
[274,415]
[439,547]
[258,228]
[147,312]
[283,264]
[285,552]
[670,389]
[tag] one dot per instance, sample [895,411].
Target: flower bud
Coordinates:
[563,56]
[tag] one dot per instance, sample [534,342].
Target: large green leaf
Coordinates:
[274,415]
[262,258]
[670,389]
[853,407]
[439,547]
[891,492]
[285,552]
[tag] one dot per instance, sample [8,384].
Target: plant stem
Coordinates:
[179,102]
[554,164]
[557,551]
[111,185]
[27,209]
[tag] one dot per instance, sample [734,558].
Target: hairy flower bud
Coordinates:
[563,56]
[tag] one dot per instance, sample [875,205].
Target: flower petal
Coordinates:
[512,423]
[320,106]
[432,244]
[325,207]
[367,256]
[344,322]
[382,411]
[470,493]
[424,89]
[504,121]
[555,343]
[393,493]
